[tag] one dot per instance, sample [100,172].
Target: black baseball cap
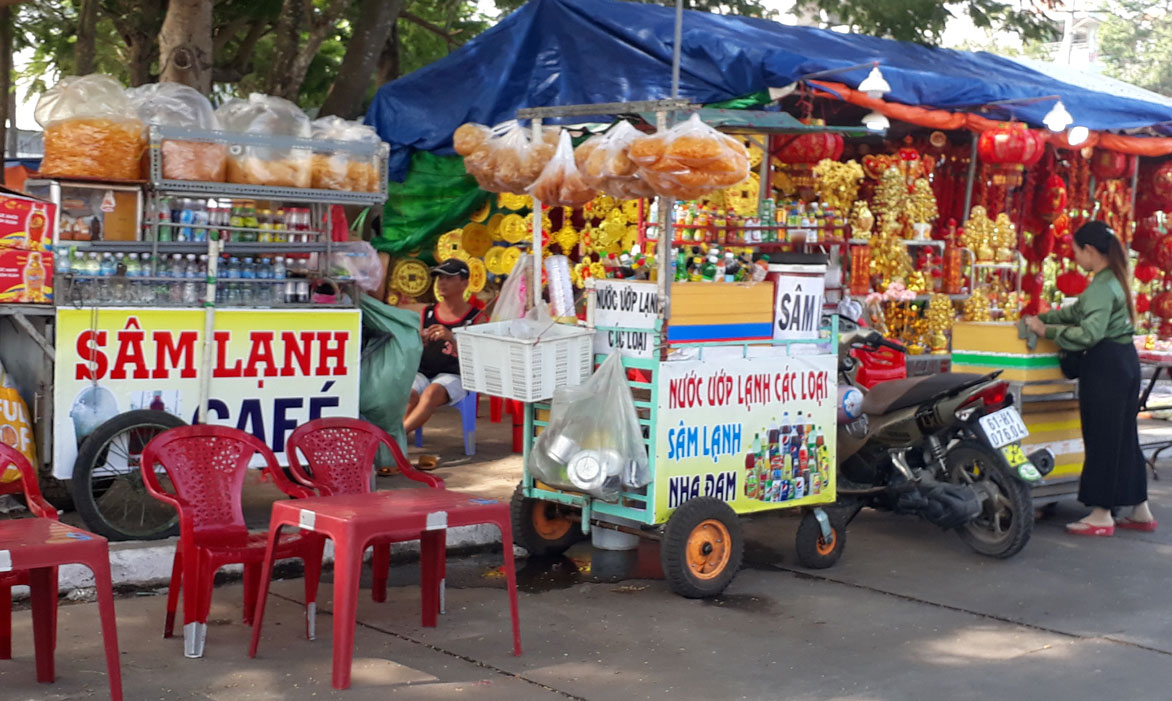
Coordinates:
[452,267]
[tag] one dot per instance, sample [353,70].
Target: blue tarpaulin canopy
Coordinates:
[561,52]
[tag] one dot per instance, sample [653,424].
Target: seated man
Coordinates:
[438,381]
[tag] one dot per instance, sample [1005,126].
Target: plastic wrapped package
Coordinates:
[504,159]
[513,300]
[257,165]
[593,443]
[176,105]
[469,137]
[90,129]
[560,183]
[690,160]
[342,170]
[606,164]
[359,261]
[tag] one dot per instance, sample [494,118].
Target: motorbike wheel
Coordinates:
[107,479]
[1006,520]
[814,551]
[702,548]
[542,527]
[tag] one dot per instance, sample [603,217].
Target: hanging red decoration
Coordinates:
[807,149]
[1032,284]
[1036,306]
[1071,283]
[1010,147]
[1146,272]
[1163,252]
[1147,234]
[1161,181]
[1110,165]
[1064,246]
[1051,200]
[1162,305]
[1043,244]
[1165,330]
[1142,303]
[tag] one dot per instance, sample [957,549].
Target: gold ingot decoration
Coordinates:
[448,246]
[410,276]
[494,226]
[476,240]
[631,209]
[938,318]
[612,229]
[439,298]
[482,213]
[862,220]
[508,200]
[979,235]
[513,229]
[976,307]
[492,260]
[477,275]
[602,205]
[509,260]
[1004,238]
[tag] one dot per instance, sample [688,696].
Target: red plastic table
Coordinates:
[354,520]
[41,544]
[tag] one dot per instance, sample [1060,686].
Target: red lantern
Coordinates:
[1064,246]
[1142,303]
[1165,329]
[1110,165]
[1052,199]
[808,149]
[1071,283]
[1043,244]
[1147,235]
[1146,272]
[1162,181]
[1163,252]
[1162,305]
[1032,284]
[1012,144]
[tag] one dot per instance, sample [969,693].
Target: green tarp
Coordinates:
[391,347]
[437,196]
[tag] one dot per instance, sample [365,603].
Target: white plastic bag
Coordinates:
[690,160]
[176,105]
[513,300]
[504,158]
[560,182]
[359,261]
[253,165]
[594,442]
[342,170]
[90,129]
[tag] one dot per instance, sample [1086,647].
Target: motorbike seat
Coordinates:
[891,396]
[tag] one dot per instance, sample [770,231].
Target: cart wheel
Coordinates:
[702,548]
[814,551]
[107,479]
[542,527]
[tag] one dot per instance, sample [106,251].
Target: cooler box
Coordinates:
[983,347]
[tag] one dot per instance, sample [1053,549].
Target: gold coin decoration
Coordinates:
[439,298]
[611,230]
[742,199]
[602,205]
[410,276]
[476,240]
[393,299]
[494,226]
[448,246]
[755,154]
[567,237]
[477,275]
[508,200]
[481,214]
[509,260]
[513,228]
[492,260]
[631,209]
[546,224]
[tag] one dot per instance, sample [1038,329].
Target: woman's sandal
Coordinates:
[427,463]
[1084,528]
[1133,525]
[388,471]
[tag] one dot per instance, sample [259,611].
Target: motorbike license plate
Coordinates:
[1004,427]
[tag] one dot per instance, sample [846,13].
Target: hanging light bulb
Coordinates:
[1058,119]
[874,85]
[875,121]
[1077,135]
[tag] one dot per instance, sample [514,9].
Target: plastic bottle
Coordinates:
[730,266]
[233,268]
[133,266]
[108,266]
[64,261]
[199,220]
[279,270]
[760,269]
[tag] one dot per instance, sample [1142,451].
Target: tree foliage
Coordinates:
[1135,41]
[924,21]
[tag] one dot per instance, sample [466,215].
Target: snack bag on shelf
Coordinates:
[690,160]
[342,170]
[504,158]
[256,165]
[594,443]
[560,183]
[90,129]
[176,105]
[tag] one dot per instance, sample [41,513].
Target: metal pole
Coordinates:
[663,255]
[968,186]
[536,229]
[1134,188]
[675,50]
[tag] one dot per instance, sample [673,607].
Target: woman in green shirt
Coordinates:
[1101,324]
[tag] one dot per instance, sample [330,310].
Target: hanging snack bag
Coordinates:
[258,165]
[560,183]
[606,164]
[344,170]
[690,160]
[504,158]
[176,105]
[90,129]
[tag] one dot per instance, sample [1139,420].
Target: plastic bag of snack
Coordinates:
[469,137]
[605,163]
[504,158]
[90,129]
[258,165]
[560,182]
[690,160]
[176,105]
[344,170]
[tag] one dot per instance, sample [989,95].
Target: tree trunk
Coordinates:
[142,53]
[87,30]
[285,44]
[291,62]
[375,24]
[185,44]
[388,61]
[5,82]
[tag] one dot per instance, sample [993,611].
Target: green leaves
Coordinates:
[923,21]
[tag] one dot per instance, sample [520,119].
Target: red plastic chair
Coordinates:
[341,454]
[32,549]
[206,466]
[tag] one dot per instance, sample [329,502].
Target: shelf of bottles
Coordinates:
[783,226]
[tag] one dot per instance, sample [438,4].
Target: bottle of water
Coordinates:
[133,266]
[191,270]
[190,295]
[64,262]
[279,270]
[233,268]
[108,266]
[177,265]
[247,271]
[93,266]
[203,265]
[264,269]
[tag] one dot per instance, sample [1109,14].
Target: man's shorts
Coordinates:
[450,383]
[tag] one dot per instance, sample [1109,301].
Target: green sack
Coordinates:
[391,348]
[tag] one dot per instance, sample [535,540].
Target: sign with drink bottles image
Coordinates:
[756,433]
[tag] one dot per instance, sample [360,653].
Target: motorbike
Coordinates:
[945,447]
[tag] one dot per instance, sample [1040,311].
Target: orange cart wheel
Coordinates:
[815,551]
[542,527]
[702,548]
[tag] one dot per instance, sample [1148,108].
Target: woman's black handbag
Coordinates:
[1071,363]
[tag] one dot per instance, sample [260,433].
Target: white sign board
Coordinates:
[625,304]
[797,310]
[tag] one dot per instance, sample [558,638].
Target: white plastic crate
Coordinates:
[492,362]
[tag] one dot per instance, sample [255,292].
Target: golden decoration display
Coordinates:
[392,299]
[742,199]
[631,209]
[410,276]
[891,199]
[600,206]
[838,183]
[756,154]
[978,235]
[509,260]
[481,213]
[1004,239]
[938,316]
[476,240]
[449,246]
[546,225]
[493,260]
[921,206]
[508,200]
[567,237]
[976,307]
[862,220]
[1011,307]
[494,226]
[889,257]
[477,275]
[916,282]
[513,229]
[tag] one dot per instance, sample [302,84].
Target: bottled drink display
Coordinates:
[194,219]
[789,461]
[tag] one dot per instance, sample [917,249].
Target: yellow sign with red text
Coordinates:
[272,370]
